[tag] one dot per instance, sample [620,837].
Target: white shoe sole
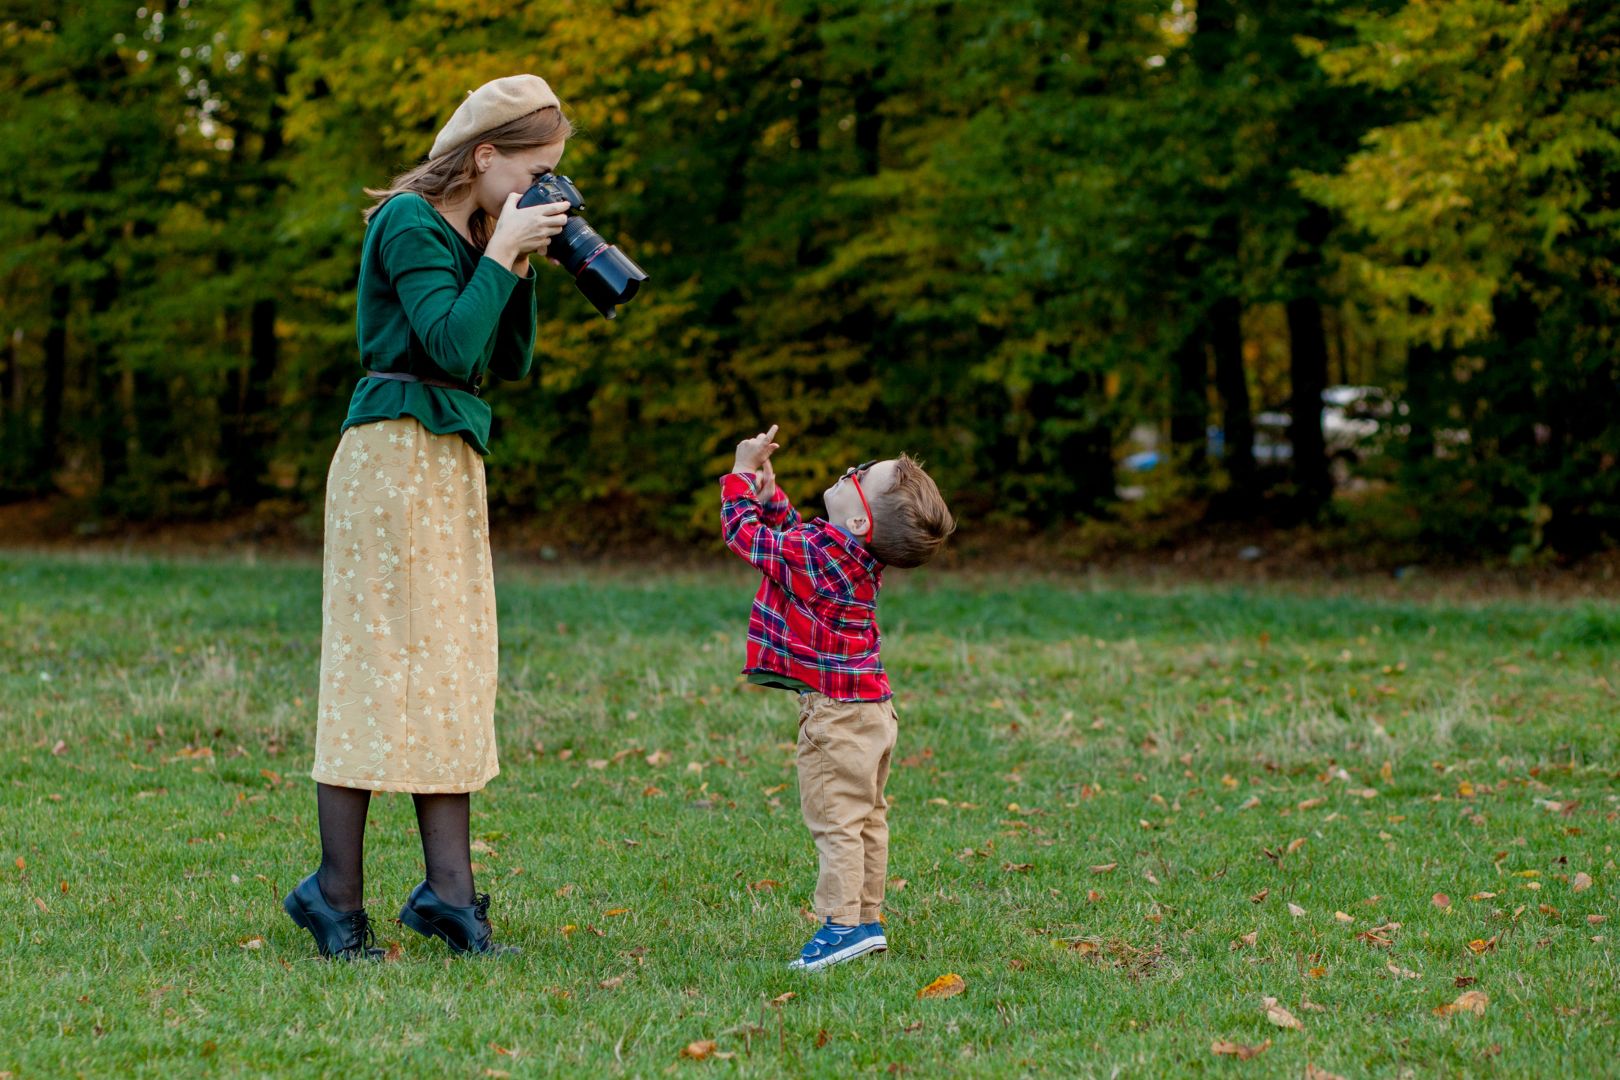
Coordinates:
[860,948]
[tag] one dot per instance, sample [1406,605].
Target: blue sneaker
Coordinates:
[833,944]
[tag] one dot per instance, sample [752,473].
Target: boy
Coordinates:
[814,630]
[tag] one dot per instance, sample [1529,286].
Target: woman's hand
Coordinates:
[521,232]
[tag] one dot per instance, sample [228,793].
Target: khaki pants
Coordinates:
[844,750]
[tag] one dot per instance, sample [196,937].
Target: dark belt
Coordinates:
[473,387]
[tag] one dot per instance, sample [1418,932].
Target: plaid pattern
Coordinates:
[815,615]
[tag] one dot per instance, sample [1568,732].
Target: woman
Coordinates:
[408,645]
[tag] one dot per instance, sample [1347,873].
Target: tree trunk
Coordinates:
[1308,364]
[1189,404]
[1226,338]
[48,451]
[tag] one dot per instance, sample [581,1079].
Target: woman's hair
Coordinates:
[446,178]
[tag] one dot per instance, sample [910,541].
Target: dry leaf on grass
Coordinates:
[1316,1072]
[1440,900]
[1342,917]
[1281,1016]
[1245,939]
[1260,896]
[699,1050]
[945,986]
[1469,1001]
[1580,882]
[1482,945]
[1238,1050]
[1295,844]
[1104,868]
[1404,973]
[1295,910]
[782,999]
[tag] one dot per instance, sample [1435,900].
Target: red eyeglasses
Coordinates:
[853,474]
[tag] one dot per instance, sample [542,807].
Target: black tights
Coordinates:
[443,820]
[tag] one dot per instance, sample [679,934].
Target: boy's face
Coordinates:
[844,502]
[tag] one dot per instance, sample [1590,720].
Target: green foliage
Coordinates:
[1002,237]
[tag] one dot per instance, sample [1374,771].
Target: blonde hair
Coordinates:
[910,519]
[446,178]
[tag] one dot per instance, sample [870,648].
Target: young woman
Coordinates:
[408,644]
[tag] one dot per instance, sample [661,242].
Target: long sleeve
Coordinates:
[778,512]
[454,324]
[514,340]
[784,557]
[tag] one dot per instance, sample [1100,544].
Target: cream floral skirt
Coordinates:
[408,648]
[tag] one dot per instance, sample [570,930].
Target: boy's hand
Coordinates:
[754,455]
[767,481]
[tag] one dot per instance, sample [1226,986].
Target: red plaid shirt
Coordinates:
[815,615]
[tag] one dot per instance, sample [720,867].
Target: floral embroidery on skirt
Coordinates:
[408,641]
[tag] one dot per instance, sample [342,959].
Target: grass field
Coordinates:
[1123,816]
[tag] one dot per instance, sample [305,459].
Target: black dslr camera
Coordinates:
[606,275]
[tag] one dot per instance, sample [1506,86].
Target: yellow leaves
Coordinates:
[1465,790]
[947,985]
[1469,1001]
[1527,873]
[1480,946]
[1387,773]
[613,912]
[1226,1048]
[1229,781]
[1280,1016]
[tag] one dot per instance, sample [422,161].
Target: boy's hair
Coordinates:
[910,518]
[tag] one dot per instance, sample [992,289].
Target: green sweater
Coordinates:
[431,304]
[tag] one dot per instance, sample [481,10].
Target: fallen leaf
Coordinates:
[395,951]
[1312,804]
[697,1051]
[1402,972]
[765,885]
[252,943]
[1018,868]
[1479,945]
[565,890]
[1295,910]
[1316,1072]
[782,999]
[1469,1001]
[1104,868]
[945,986]
[1092,895]
[611,912]
[1597,920]
[1580,882]
[1463,981]
[1295,845]
[1238,1050]
[1440,900]
[612,983]
[59,749]
[1483,896]
[1342,917]
[1281,1016]
[1245,939]
[1260,896]
[1250,803]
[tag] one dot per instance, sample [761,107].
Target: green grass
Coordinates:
[1047,727]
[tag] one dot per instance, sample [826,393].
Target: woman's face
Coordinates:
[501,174]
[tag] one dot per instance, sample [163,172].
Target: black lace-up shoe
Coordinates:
[340,935]
[464,929]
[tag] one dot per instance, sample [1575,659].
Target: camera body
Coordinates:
[606,275]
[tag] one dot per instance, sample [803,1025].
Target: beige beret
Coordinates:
[497,102]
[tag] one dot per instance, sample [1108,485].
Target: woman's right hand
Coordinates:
[524,231]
